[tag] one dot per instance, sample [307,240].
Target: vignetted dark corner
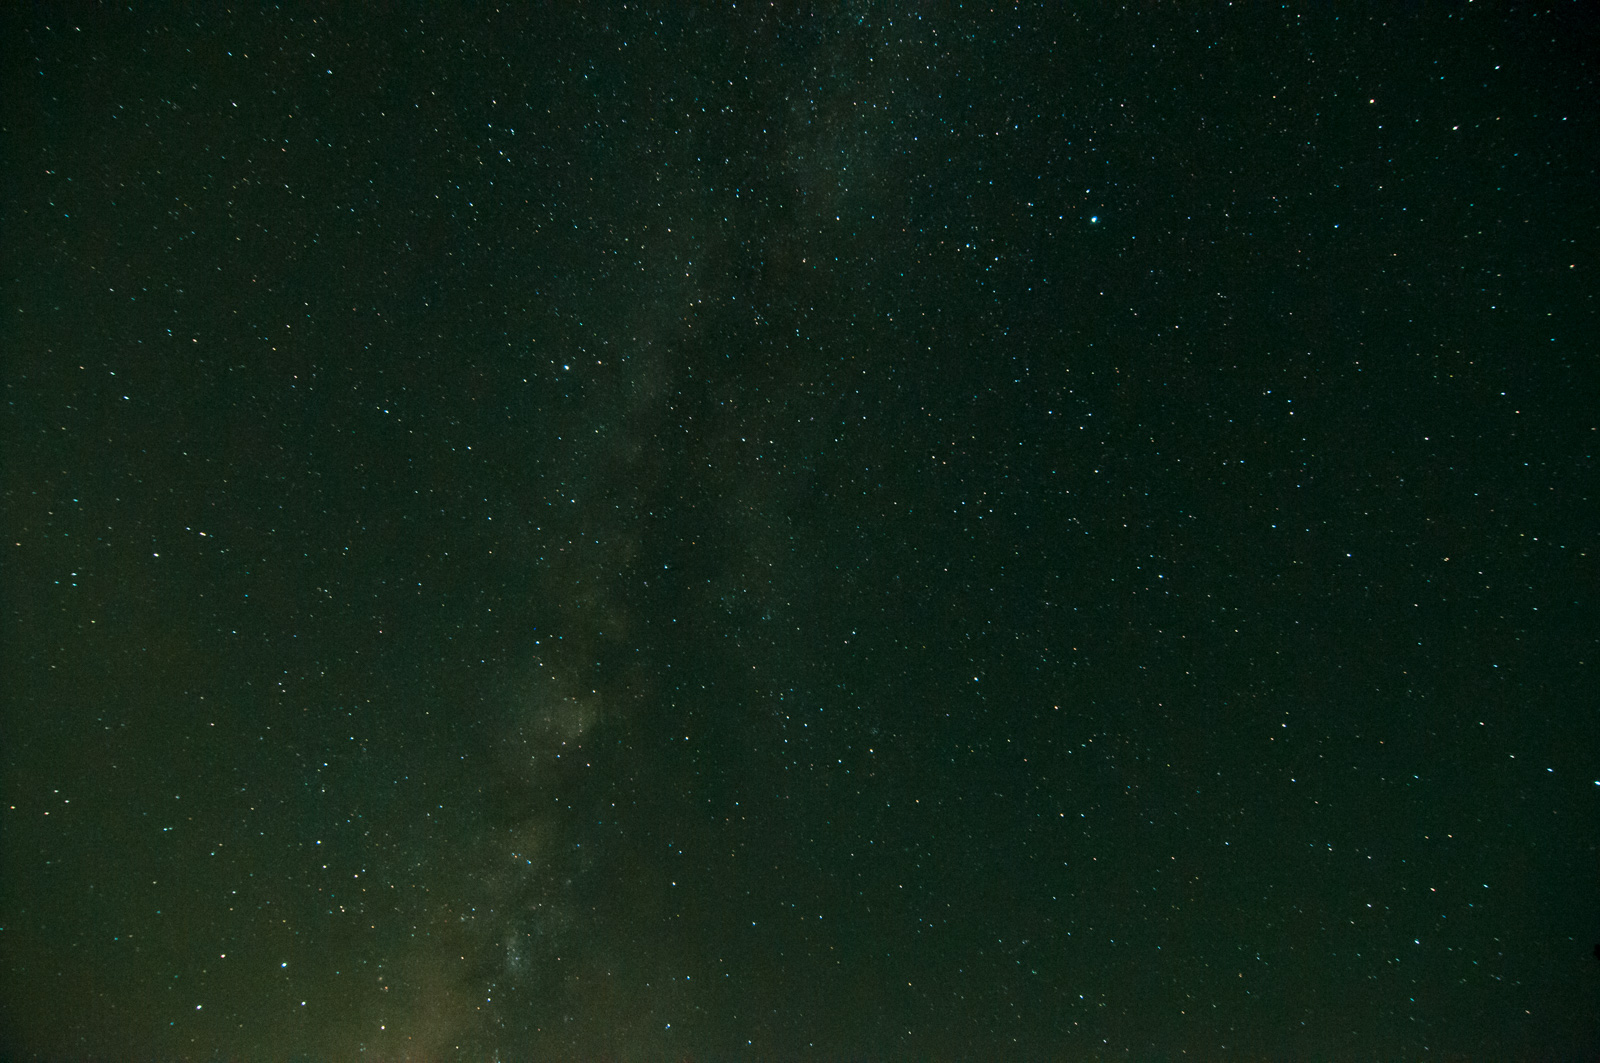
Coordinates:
[679,532]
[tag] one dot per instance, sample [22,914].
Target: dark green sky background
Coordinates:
[639,534]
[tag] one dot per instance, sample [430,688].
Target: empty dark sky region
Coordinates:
[627,532]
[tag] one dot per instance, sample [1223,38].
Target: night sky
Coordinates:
[652,534]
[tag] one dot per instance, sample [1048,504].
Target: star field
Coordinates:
[727,532]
